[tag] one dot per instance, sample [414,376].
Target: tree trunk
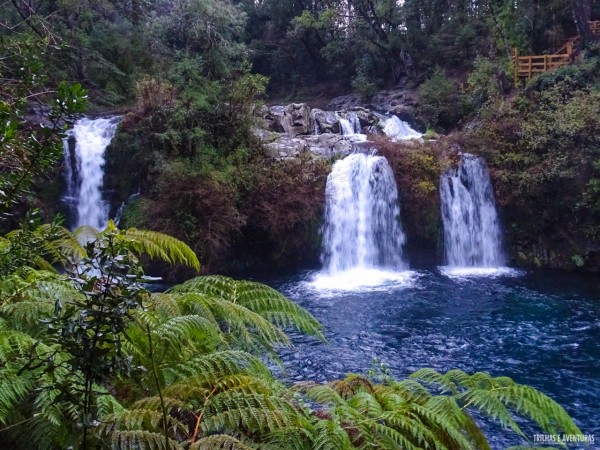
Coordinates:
[582,14]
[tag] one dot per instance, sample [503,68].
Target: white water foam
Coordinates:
[398,130]
[475,272]
[92,137]
[350,128]
[360,279]
[472,236]
[362,234]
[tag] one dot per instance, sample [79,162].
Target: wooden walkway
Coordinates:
[526,67]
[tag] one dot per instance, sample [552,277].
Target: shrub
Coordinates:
[441,104]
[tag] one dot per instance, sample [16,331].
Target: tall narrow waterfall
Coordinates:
[362,217]
[472,235]
[84,175]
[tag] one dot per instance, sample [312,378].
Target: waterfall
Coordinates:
[123,205]
[85,176]
[397,129]
[362,217]
[354,122]
[472,235]
[346,128]
[350,128]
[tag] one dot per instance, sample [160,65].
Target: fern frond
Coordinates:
[187,330]
[258,298]
[220,442]
[245,329]
[330,436]
[252,412]
[14,344]
[63,244]
[500,398]
[13,389]
[140,440]
[160,246]
[208,369]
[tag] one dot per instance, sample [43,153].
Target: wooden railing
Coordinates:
[526,67]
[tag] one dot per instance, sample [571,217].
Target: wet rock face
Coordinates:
[400,102]
[293,130]
[326,121]
[289,131]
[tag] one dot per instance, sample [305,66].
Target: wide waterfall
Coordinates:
[472,236]
[84,174]
[362,233]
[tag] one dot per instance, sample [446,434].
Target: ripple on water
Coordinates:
[539,330]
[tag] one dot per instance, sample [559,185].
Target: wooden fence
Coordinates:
[526,67]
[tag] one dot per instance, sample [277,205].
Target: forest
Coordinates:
[136,333]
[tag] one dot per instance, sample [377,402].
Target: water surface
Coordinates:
[541,329]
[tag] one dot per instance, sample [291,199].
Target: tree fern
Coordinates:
[501,398]
[236,298]
[160,246]
[141,440]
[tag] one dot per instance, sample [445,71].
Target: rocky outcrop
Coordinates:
[294,119]
[400,102]
[293,130]
[281,146]
[326,121]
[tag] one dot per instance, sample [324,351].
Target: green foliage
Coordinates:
[542,148]
[442,104]
[90,359]
[501,398]
[29,150]
[71,327]
[482,84]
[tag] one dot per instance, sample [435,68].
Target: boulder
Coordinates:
[367,118]
[328,145]
[294,119]
[286,147]
[327,121]
[265,136]
[400,102]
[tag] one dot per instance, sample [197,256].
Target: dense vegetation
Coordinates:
[91,359]
[187,75]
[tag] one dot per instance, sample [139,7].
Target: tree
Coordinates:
[28,149]
[582,14]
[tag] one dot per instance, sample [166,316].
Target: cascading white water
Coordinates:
[472,236]
[362,217]
[346,127]
[85,175]
[354,122]
[397,129]
[350,128]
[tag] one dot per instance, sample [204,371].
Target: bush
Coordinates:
[442,105]
[483,82]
